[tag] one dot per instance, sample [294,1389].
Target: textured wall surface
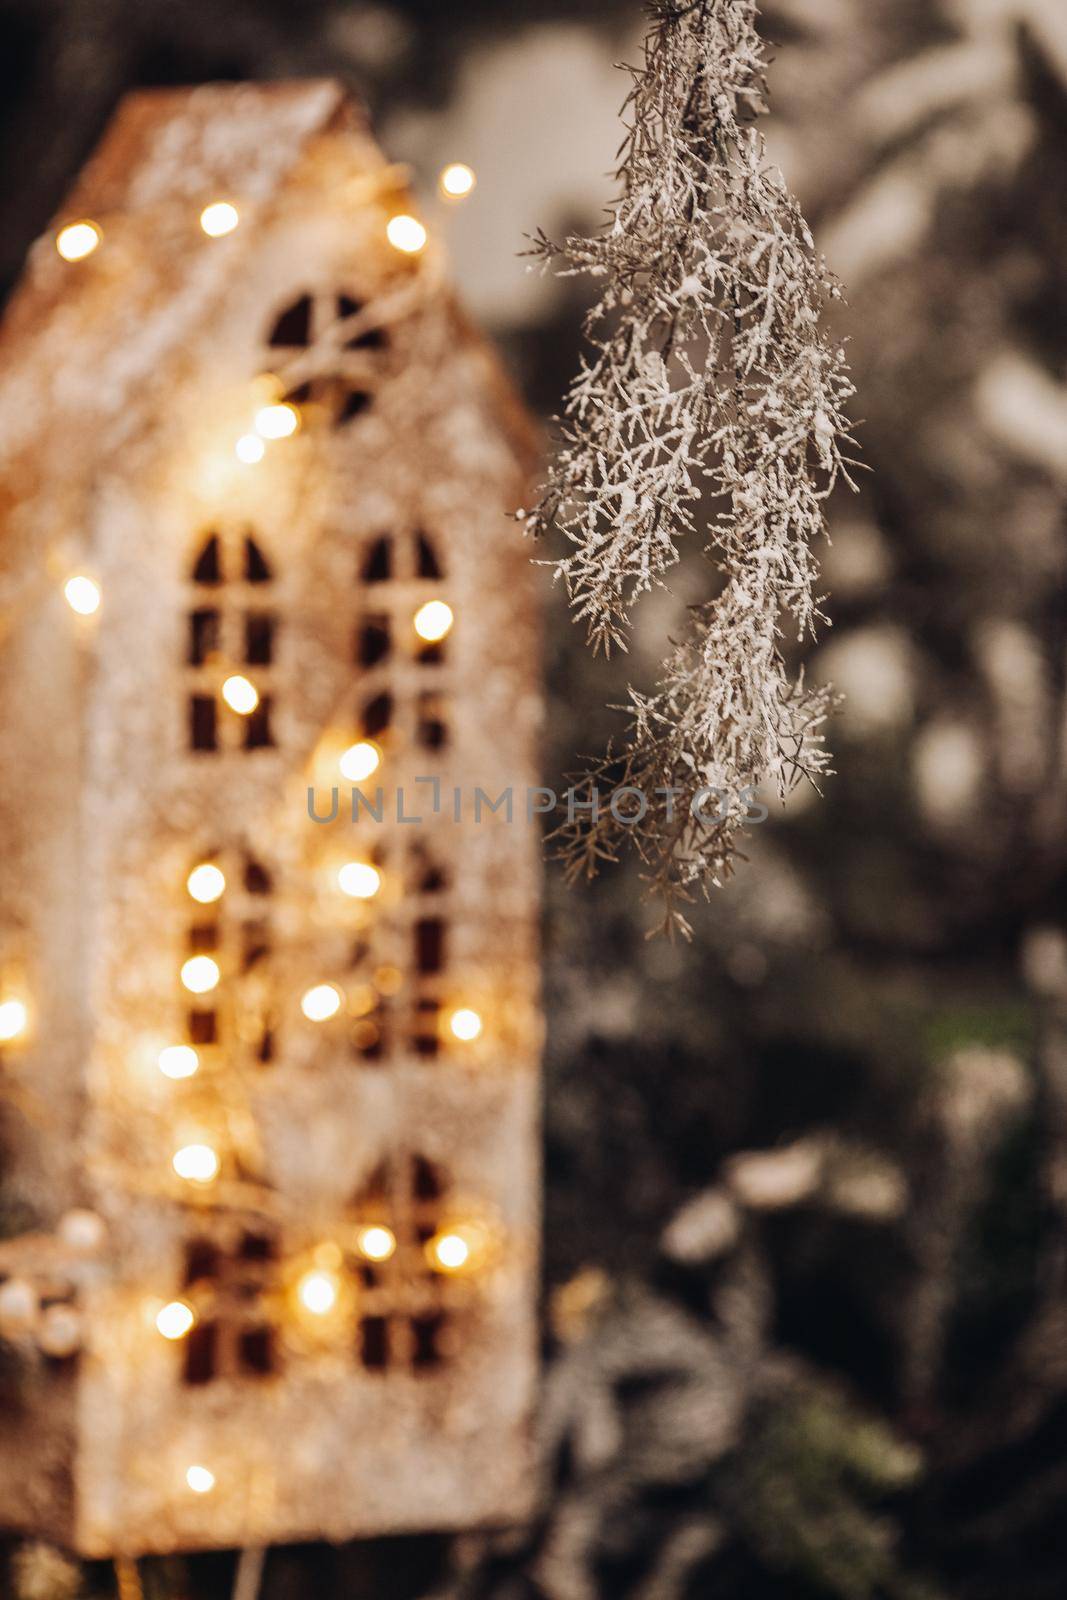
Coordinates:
[380,1114]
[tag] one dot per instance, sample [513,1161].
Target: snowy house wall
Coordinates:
[350,1367]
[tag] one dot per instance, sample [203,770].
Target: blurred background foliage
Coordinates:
[805,1250]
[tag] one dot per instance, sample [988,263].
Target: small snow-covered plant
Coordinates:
[710,396]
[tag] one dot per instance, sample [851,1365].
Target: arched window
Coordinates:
[230,1280]
[231,629]
[236,929]
[398,573]
[338,379]
[408,1310]
[404,1017]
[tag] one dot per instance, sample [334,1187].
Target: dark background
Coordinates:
[838,1368]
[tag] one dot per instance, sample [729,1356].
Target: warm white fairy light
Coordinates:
[196,1163]
[376,1242]
[318,1291]
[465,1024]
[219,218]
[200,974]
[13,1019]
[359,879]
[360,760]
[450,1252]
[201,1480]
[249,449]
[179,1061]
[78,240]
[176,1320]
[321,1002]
[406,234]
[433,621]
[240,695]
[61,1331]
[206,883]
[82,595]
[457,180]
[278,421]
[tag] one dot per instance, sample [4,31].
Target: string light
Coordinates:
[449,1252]
[360,760]
[362,1000]
[249,449]
[84,1230]
[197,1163]
[240,695]
[206,883]
[406,234]
[457,180]
[317,1291]
[78,240]
[219,218]
[60,1333]
[365,1035]
[465,1024]
[176,1320]
[359,879]
[433,621]
[13,1020]
[321,1002]
[200,974]
[82,595]
[277,422]
[201,1480]
[376,1243]
[179,1061]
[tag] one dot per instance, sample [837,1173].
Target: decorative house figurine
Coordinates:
[269,1025]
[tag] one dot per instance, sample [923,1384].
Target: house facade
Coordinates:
[270,1118]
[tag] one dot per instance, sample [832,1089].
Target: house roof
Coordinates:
[215,141]
[79,339]
[76,337]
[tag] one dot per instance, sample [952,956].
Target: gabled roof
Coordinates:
[75,337]
[79,339]
[215,141]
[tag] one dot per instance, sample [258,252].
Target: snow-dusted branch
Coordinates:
[709,383]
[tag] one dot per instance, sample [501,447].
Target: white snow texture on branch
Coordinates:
[709,382]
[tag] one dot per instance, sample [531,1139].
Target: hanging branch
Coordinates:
[709,379]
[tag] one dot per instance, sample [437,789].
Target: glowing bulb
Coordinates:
[318,1292]
[179,1061]
[457,180]
[13,1020]
[465,1024]
[360,760]
[219,218]
[83,595]
[359,879]
[433,620]
[321,1002]
[175,1320]
[277,422]
[240,695]
[375,1242]
[450,1252]
[406,234]
[200,974]
[206,883]
[78,240]
[197,1163]
[201,1480]
[249,449]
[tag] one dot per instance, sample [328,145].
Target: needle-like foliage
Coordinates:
[710,396]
